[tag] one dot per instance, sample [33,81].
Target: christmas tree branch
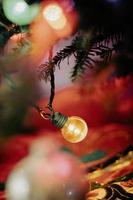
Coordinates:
[85,48]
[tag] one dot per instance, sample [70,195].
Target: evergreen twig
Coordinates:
[85,49]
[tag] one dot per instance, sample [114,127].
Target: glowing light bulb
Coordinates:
[20,7]
[52,12]
[18,186]
[19,12]
[46,173]
[74,129]
[54,15]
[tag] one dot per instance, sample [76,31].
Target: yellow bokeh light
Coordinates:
[55,17]
[52,12]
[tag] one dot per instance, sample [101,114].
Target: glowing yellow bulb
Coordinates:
[74,130]
[53,13]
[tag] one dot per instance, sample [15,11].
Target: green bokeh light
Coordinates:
[19,12]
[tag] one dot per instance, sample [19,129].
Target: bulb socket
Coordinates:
[58,119]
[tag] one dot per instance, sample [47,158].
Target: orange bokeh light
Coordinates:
[59,19]
[52,24]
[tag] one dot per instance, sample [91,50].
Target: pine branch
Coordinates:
[105,38]
[45,68]
[44,71]
[84,48]
[65,53]
[105,53]
[103,49]
[79,68]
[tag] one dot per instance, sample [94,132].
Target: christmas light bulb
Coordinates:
[52,12]
[47,173]
[74,129]
[19,12]
[54,15]
[20,7]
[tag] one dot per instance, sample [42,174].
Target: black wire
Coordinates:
[52,80]
[49,106]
